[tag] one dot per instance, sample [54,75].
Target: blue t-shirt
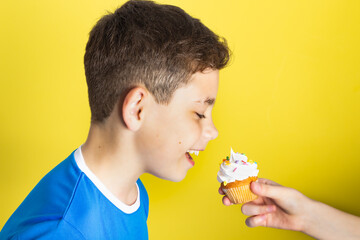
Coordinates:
[70,203]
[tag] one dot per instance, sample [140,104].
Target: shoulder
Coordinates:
[45,206]
[54,230]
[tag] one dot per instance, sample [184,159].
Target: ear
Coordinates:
[132,108]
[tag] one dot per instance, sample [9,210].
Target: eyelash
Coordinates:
[201,116]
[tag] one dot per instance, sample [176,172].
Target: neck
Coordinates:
[110,155]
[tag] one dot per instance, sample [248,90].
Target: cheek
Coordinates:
[170,133]
[189,131]
[165,136]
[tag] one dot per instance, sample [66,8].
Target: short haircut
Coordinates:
[147,44]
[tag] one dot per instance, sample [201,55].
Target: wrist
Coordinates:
[310,216]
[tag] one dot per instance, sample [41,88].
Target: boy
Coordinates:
[152,75]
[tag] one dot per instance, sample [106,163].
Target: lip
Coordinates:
[189,158]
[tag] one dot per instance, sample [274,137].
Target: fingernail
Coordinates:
[256,186]
[259,219]
[270,208]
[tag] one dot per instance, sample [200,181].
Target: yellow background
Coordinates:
[290,99]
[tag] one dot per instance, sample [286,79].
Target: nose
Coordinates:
[210,131]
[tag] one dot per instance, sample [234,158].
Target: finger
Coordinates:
[259,201]
[226,201]
[256,221]
[269,201]
[251,209]
[267,181]
[271,191]
[221,191]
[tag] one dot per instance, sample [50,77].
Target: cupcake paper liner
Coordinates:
[240,194]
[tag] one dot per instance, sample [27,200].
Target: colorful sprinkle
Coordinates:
[227,158]
[234,169]
[237,161]
[225,183]
[227,162]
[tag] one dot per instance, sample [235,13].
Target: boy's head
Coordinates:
[144,43]
[157,67]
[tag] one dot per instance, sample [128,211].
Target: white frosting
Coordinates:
[237,168]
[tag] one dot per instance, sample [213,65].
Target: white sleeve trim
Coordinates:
[79,159]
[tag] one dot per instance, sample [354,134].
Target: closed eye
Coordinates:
[200,115]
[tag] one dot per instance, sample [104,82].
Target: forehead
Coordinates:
[201,88]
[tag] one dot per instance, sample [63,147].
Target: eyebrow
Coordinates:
[208,101]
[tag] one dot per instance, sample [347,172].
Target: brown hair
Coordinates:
[144,43]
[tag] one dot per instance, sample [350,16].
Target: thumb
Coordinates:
[271,191]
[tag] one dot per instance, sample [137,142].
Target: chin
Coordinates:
[178,179]
[174,177]
[173,174]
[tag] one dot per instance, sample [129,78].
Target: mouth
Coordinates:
[189,157]
[193,152]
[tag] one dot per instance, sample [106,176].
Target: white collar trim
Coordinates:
[79,159]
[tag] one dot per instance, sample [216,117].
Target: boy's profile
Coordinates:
[152,76]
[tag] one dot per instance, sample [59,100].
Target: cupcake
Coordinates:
[235,175]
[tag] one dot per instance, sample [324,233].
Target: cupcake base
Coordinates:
[239,191]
